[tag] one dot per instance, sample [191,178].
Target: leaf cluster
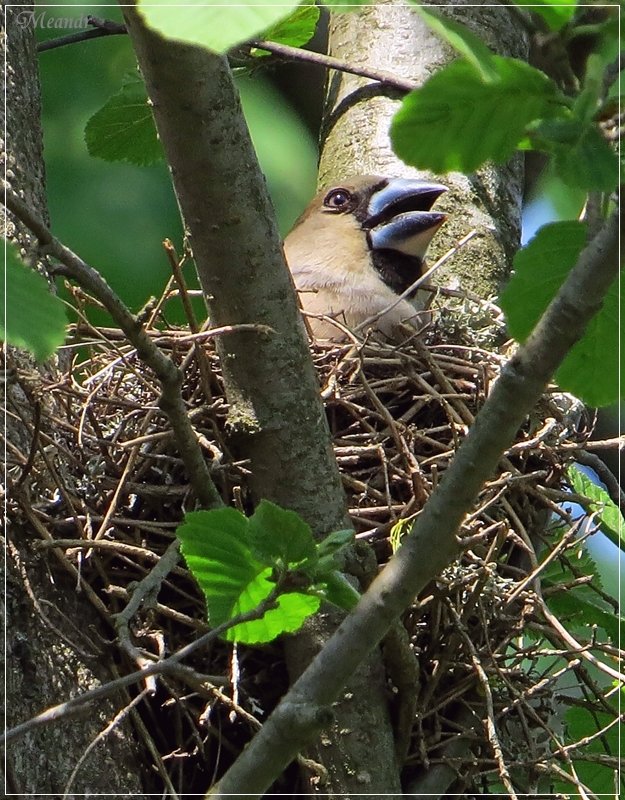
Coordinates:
[270,558]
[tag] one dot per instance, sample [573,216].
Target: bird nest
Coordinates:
[482,705]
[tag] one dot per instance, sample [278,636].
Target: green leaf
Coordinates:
[279,536]
[292,609]
[215,545]
[457,121]
[556,13]
[466,43]
[296,30]
[580,607]
[590,163]
[581,723]
[617,87]
[335,541]
[339,591]
[35,318]
[217,28]
[609,517]
[582,157]
[591,368]
[123,129]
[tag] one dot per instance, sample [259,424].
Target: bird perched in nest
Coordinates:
[358,247]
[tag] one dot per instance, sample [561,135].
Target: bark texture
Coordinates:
[391,36]
[276,413]
[53,638]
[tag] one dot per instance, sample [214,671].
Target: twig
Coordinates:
[147,589]
[101,28]
[170,664]
[171,401]
[310,57]
[115,722]
[421,280]
[109,28]
[617,495]
[489,722]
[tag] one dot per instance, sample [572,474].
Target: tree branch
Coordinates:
[285,51]
[431,544]
[275,412]
[170,665]
[168,374]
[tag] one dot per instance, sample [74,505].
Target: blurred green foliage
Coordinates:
[116,215]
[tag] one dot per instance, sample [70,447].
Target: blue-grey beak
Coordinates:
[399,216]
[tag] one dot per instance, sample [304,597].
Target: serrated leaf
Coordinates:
[292,609]
[218,28]
[215,545]
[339,591]
[609,517]
[580,607]
[466,43]
[123,129]
[556,13]
[590,163]
[582,158]
[457,121]
[279,536]
[296,30]
[590,370]
[35,318]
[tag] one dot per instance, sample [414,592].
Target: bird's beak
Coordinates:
[399,216]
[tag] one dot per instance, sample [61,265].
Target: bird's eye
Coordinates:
[338,199]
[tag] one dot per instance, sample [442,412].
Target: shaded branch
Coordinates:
[431,545]
[166,666]
[169,376]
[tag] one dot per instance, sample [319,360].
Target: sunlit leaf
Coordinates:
[296,30]
[292,609]
[217,28]
[216,548]
[466,43]
[608,514]
[278,535]
[457,121]
[590,370]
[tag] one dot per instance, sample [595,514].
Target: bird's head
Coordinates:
[358,246]
[386,223]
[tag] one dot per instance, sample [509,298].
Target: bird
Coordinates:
[357,247]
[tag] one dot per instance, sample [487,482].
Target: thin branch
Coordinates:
[285,51]
[617,495]
[101,28]
[432,543]
[169,376]
[167,665]
[321,60]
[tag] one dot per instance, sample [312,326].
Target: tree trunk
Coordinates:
[391,36]
[55,641]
